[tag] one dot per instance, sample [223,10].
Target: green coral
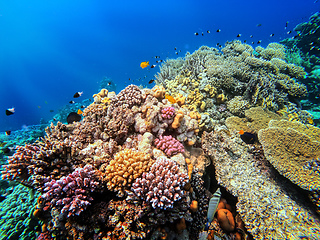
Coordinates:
[16,219]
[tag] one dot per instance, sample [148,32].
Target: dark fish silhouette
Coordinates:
[73,117]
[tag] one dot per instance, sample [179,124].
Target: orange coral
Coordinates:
[177,119]
[180,99]
[226,220]
[126,166]
[158,92]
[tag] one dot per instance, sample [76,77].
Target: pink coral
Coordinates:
[168,113]
[161,186]
[71,192]
[169,145]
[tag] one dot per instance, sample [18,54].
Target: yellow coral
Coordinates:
[177,119]
[194,99]
[180,99]
[158,92]
[211,90]
[99,96]
[126,166]
[221,98]
[290,152]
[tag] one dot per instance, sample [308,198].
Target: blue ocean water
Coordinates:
[51,49]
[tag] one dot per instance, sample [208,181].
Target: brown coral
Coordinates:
[226,220]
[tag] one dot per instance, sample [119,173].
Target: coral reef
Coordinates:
[141,163]
[208,79]
[85,170]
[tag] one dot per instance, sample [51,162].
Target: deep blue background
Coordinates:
[51,49]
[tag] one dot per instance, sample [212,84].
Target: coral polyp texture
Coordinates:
[169,145]
[162,185]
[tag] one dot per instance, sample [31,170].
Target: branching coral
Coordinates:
[126,166]
[162,186]
[70,194]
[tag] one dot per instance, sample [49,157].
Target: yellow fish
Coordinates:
[79,111]
[170,98]
[144,64]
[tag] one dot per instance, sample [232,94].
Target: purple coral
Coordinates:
[169,145]
[161,186]
[71,192]
[167,113]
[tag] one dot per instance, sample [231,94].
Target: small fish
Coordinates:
[8,132]
[109,83]
[39,107]
[218,44]
[157,57]
[247,137]
[272,34]
[289,32]
[259,25]
[213,204]
[170,98]
[79,112]
[252,42]
[73,117]
[286,25]
[51,110]
[219,30]
[259,42]
[151,81]
[196,33]
[129,79]
[144,64]
[176,53]
[72,102]
[208,31]
[10,111]
[152,66]
[175,48]
[251,36]
[82,106]
[77,94]
[239,35]
[244,41]
[202,33]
